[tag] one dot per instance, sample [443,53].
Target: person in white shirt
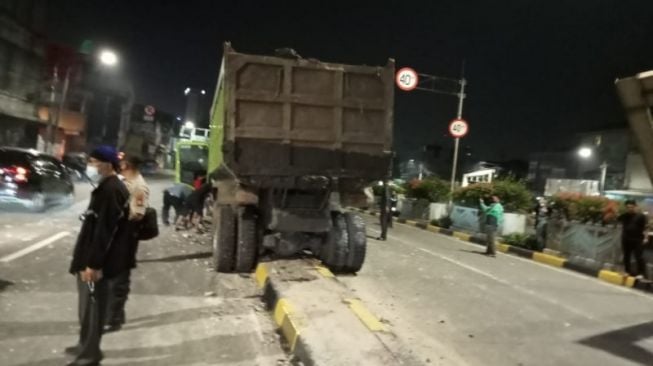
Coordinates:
[139,195]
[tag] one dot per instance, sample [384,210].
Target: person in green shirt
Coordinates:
[493,220]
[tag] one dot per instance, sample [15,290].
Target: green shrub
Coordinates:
[431,189]
[394,189]
[521,240]
[445,222]
[514,195]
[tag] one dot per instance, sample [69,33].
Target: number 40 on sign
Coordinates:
[458,128]
[406,79]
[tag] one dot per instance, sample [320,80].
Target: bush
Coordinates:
[521,240]
[394,189]
[430,189]
[579,207]
[444,222]
[514,195]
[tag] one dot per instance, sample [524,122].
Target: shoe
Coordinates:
[73,350]
[110,328]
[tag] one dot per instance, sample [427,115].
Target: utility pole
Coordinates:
[461,98]
[62,105]
[47,141]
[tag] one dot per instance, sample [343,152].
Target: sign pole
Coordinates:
[461,98]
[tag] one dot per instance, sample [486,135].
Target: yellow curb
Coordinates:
[503,247]
[371,322]
[325,272]
[630,281]
[284,320]
[612,277]
[411,222]
[261,275]
[461,236]
[548,259]
[433,229]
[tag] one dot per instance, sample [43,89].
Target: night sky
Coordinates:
[537,70]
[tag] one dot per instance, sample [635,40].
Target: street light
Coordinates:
[585,152]
[108,58]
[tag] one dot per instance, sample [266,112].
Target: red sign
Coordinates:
[149,110]
[458,128]
[406,79]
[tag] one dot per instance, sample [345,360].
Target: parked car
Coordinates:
[33,179]
[75,164]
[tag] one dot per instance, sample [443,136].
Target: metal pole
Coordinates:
[461,98]
[62,105]
[604,173]
[51,117]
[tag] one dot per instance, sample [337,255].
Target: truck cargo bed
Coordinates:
[299,117]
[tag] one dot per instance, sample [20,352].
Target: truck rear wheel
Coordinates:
[336,248]
[357,242]
[224,238]
[246,248]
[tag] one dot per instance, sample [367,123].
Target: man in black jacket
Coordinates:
[99,254]
[633,232]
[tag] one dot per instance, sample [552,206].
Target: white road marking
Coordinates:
[515,287]
[567,272]
[34,247]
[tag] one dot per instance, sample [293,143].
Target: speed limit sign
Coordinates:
[458,128]
[407,79]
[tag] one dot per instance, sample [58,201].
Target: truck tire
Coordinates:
[247,245]
[224,238]
[357,240]
[336,249]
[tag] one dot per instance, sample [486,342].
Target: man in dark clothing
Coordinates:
[98,255]
[119,286]
[632,237]
[384,214]
[194,205]
[175,197]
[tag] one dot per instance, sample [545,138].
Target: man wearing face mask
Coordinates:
[99,255]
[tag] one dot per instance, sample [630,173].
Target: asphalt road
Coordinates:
[179,312]
[455,306]
[443,300]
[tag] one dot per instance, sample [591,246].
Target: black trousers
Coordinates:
[119,287]
[92,307]
[634,247]
[174,202]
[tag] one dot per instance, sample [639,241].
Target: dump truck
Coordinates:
[293,143]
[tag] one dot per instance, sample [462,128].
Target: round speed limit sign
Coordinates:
[458,128]
[407,79]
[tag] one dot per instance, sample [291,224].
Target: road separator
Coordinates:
[611,277]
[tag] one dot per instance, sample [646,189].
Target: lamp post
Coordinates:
[586,153]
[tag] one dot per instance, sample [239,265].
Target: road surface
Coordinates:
[459,307]
[443,300]
[179,312]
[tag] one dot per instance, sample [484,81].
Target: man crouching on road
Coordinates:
[98,256]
